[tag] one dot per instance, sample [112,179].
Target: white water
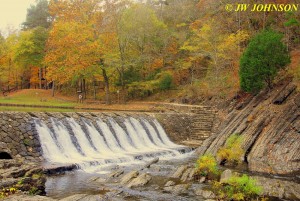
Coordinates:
[98,144]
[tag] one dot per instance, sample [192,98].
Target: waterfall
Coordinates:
[96,143]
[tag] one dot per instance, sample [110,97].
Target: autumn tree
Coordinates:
[30,51]
[213,52]
[12,75]
[144,33]
[72,46]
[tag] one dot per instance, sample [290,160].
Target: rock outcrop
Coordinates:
[270,125]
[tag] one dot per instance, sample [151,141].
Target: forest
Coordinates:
[136,49]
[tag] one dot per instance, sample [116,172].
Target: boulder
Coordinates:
[8,182]
[59,169]
[129,176]
[226,174]
[141,180]
[282,189]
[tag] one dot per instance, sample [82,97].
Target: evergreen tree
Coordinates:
[262,59]
[38,15]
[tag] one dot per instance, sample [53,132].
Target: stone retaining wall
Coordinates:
[18,136]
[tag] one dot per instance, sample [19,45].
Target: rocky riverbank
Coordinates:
[17,174]
[155,180]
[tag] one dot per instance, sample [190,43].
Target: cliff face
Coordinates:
[270,126]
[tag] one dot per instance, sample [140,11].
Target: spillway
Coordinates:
[93,144]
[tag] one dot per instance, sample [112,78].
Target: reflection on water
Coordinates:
[70,184]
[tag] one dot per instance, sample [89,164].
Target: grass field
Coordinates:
[35,97]
[43,98]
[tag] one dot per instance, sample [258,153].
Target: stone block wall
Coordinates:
[187,126]
[18,136]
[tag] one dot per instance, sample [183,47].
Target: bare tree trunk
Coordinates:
[84,89]
[53,88]
[95,91]
[107,92]
[81,88]
[40,77]
[46,81]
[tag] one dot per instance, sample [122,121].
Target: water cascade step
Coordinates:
[94,142]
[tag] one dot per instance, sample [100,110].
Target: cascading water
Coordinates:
[98,143]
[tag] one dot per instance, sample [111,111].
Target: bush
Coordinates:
[162,82]
[206,165]
[232,151]
[142,89]
[7,191]
[165,82]
[238,188]
[262,59]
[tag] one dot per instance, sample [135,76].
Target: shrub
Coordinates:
[162,82]
[262,59]
[34,191]
[26,142]
[238,188]
[7,191]
[232,151]
[206,164]
[142,89]
[165,82]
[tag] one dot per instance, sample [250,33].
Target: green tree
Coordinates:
[262,59]
[38,15]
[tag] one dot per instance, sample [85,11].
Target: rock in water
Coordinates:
[83,197]
[178,189]
[170,183]
[205,193]
[28,198]
[179,172]
[225,176]
[129,176]
[202,180]
[141,180]
[116,173]
[186,175]
[150,163]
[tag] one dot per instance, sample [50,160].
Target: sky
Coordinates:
[13,13]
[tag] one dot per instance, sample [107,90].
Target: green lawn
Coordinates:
[35,97]
[35,109]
